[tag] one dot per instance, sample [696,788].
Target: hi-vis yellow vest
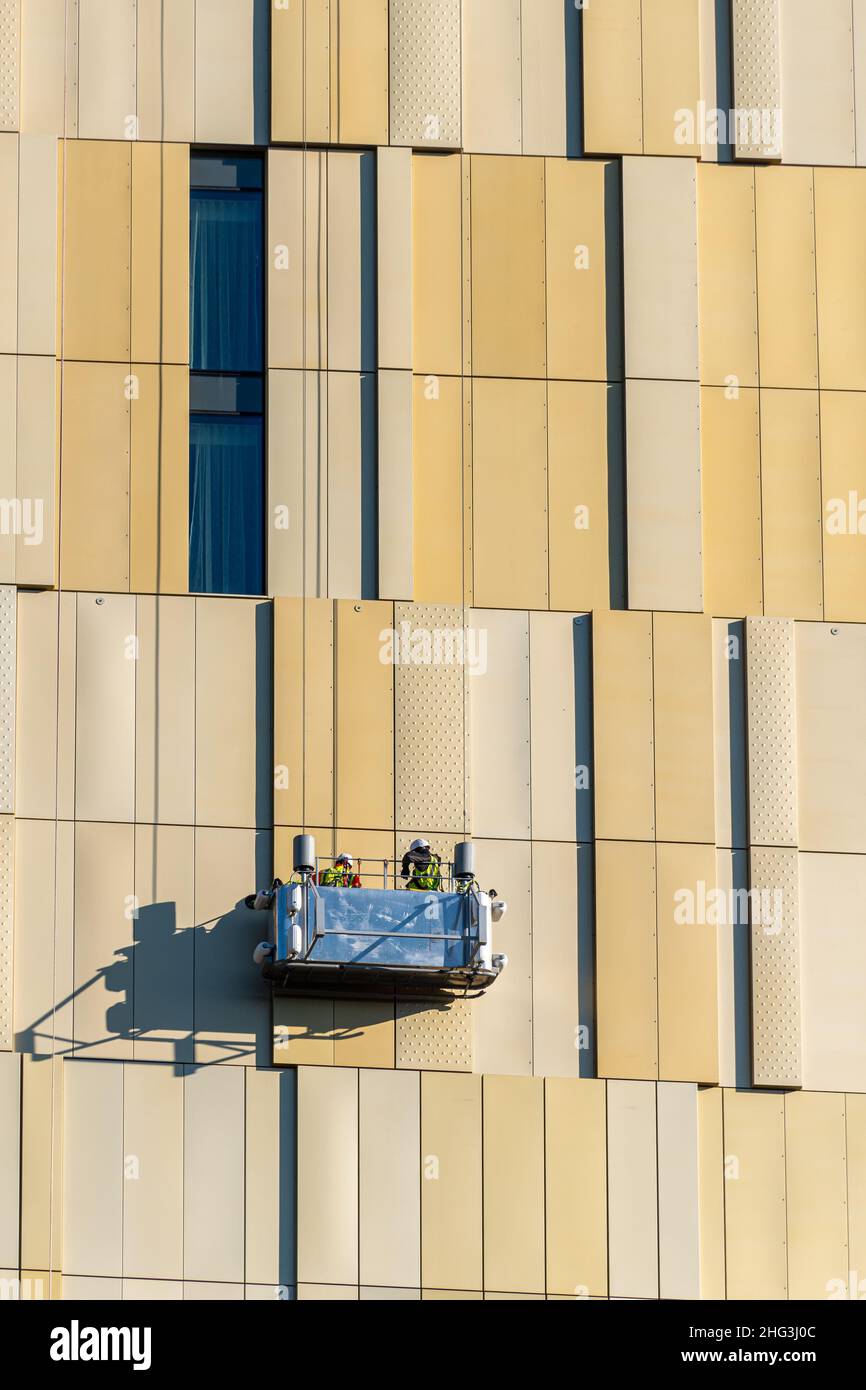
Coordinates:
[337,877]
[427,880]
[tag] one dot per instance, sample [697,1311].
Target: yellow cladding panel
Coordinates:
[576,1187]
[437,263]
[843,470]
[41,1163]
[687,964]
[791,505]
[451,1183]
[552,663]
[574,200]
[755,1218]
[303,1029]
[711,1186]
[9,243]
[159,481]
[855,1125]
[365,715]
[96,252]
[153,1201]
[584,421]
[304,715]
[509,463]
[626,970]
[731,502]
[683,708]
[363,72]
[612,79]
[508,292]
[94,540]
[555,998]
[160,253]
[788,334]
[165,88]
[230,776]
[817,1194]
[437,462]
[671,62]
[300,71]
[165,711]
[840,208]
[389,1107]
[623,722]
[727,275]
[514,1184]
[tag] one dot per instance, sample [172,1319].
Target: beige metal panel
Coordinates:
[492,85]
[344,495]
[153,1170]
[304,721]
[772,731]
[581,445]
[364,716]
[777,1044]
[396,517]
[503,1019]
[687,964]
[8,459]
[344,262]
[833,959]
[10,20]
[711,1189]
[363,72]
[683,717]
[612,78]
[9,244]
[93,1167]
[165,77]
[213,1173]
[577,267]
[575,1161]
[394,180]
[10,1143]
[791,504]
[165,710]
[269,1178]
[679,1195]
[89,1289]
[815,1144]
[756,34]
[633,1234]
[543,78]
[164,978]
[425,47]
[152,1290]
[438,470]
[94,492]
[552,725]
[664,495]
[437,250]
[96,300]
[364,1030]
[105,704]
[298,479]
[855,1129]
[626,961]
[160,253]
[41,1163]
[660,268]
[8,625]
[159,480]
[225,63]
[818,82]
[7,930]
[431,694]
[788,342]
[555,1005]
[623,726]
[297,258]
[509,493]
[37,244]
[380,1295]
[508,289]
[843,485]
[389,1189]
[104,905]
[731,501]
[328,1175]
[42,947]
[301,72]
[230,782]
[831,668]
[840,204]
[328,1293]
[46,49]
[514,1243]
[671,73]
[435,1037]
[35,558]
[210,1292]
[731,874]
[755,1208]
[303,1032]
[231,1020]
[43,770]
[451,1181]
[107,70]
[500,718]
[727,276]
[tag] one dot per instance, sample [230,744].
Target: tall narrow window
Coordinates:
[226,452]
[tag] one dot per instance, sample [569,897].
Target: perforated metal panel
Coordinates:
[8,609]
[775,918]
[425,73]
[6,848]
[772,726]
[756,44]
[9,41]
[431,705]
[435,1039]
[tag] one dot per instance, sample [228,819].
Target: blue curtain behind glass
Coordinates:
[226,505]
[225,281]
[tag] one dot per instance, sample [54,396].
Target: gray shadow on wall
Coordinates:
[585,832]
[739,813]
[261,72]
[724,72]
[573,21]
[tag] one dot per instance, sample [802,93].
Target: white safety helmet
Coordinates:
[345,859]
[419,844]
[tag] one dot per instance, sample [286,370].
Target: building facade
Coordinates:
[445,419]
